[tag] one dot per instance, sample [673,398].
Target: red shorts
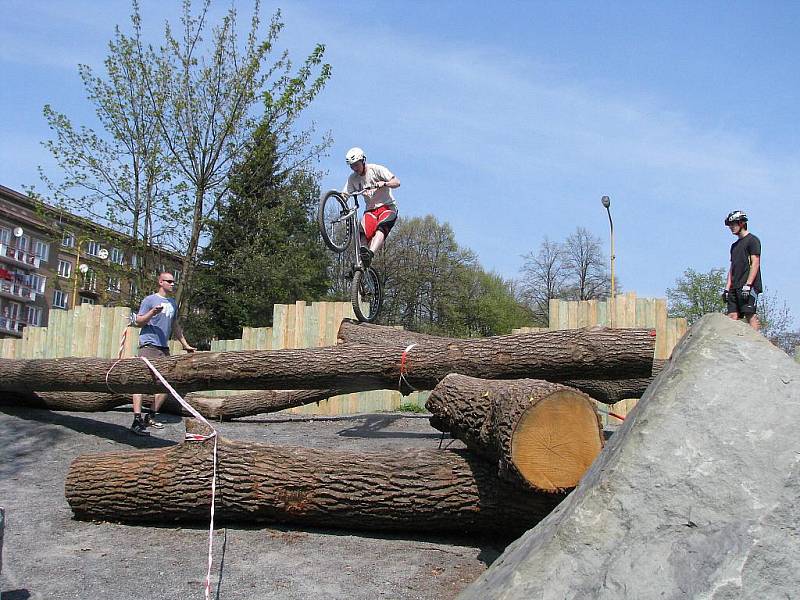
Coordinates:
[382,218]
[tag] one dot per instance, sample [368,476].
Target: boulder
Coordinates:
[697,495]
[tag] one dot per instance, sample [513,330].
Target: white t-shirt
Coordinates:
[372,175]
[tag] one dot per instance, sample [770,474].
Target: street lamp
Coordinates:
[606,201]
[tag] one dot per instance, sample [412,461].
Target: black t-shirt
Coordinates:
[741,251]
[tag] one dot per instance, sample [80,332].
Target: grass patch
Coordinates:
[411,407]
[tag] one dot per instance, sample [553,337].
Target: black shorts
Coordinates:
[736,304]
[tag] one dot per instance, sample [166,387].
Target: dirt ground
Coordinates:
[47,554]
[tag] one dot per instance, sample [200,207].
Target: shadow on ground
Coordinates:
[374,426]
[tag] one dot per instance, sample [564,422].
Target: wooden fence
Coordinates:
[626,311]
[96,331]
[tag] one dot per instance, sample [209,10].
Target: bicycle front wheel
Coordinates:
[335,229]
[367,295]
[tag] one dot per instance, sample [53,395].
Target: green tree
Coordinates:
[433,285]
[696,294]
[207,118]
[174,120]
[264,249]
[118,176]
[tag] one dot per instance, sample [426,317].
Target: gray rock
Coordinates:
[697,495]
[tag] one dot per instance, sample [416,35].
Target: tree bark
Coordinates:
[604,389]
[544,435]
[223,408]
[412,490]
[554,355]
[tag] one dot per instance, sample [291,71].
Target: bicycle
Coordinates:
[339,227]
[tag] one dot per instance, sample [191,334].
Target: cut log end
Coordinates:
[556,440]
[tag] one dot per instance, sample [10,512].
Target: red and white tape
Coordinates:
[193,437]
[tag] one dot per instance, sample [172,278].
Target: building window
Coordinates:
[117,256]
[5,235]
[38,282]
[113,284]
[41,249]
[64,269]
[68,241]
[136,260]
[59,299]
[134,289]
[85,300]
[34,316]
[177,275]
[92,248]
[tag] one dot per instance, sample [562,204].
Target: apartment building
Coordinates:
[51,260]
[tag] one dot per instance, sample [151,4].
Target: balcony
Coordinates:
[11,326]
[88,287]
[16,291]
[18,258]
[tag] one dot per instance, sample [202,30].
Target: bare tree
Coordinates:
[585,266]
[544,277]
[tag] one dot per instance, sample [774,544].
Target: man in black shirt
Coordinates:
[744,276]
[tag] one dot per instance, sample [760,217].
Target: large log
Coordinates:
[412,490]
[222,408]
[553,355]
[543,434]
[695,496]
[604,389]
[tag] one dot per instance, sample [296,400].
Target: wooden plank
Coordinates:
[620,306]
[630,309]
[603,314]
[300,324]
[572,312]
[322,323]
[661,328]
[554,306]
[592,313]
[279,312]
[582,319]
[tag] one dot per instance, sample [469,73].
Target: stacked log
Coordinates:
[574,356]
[412,490]
[540,433]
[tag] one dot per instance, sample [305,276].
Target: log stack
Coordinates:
[530,428]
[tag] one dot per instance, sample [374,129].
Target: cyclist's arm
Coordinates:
[393,183]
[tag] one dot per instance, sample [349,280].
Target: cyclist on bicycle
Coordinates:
[380,214]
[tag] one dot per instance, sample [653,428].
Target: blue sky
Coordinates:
[510,122]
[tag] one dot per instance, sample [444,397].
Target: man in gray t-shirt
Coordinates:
[380,214]
[158,318]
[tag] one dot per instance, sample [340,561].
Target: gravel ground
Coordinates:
[47,554]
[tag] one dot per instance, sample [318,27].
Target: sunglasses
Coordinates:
[168,281]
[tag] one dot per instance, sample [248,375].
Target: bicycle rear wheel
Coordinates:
[367,295]
[336,231]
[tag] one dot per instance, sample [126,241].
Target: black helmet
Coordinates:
[736,216]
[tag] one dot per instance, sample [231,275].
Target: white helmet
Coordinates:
[354,155]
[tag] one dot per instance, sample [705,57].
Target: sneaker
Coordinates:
[149,421]
[366,256]
[139,427]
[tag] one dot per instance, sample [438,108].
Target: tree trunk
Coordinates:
[412,490]
[607,390]
[553,355]
[543,434]
[222,408]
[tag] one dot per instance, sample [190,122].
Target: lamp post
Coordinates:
[606,201]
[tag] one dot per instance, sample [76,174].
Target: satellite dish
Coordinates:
[102,254]
[83,268]
[18,232]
